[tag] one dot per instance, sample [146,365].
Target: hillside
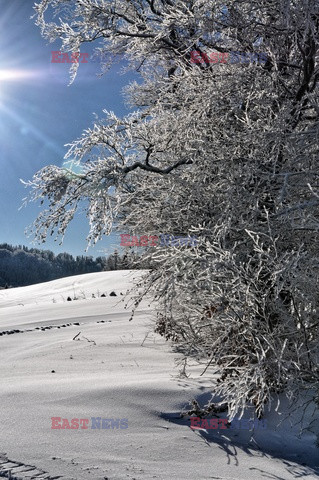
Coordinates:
[83,359]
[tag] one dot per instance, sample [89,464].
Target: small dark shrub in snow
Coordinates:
[113,294]
[69,299]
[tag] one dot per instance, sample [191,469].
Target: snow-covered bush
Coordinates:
[225,152]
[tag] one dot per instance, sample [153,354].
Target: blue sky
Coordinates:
[39,114]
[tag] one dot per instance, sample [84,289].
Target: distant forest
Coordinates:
[20,265]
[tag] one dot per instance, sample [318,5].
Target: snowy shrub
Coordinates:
[227,153]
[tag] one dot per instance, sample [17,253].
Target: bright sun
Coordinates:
[14,75]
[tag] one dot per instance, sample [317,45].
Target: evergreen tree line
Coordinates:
[21,266]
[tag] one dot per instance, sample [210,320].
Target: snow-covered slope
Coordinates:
[80,286]
[84,359]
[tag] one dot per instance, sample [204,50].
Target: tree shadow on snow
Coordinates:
[301,458]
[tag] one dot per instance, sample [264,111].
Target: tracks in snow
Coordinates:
[20,471]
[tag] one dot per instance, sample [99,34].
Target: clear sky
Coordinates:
[39,114]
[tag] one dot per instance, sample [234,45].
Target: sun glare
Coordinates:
[15,75]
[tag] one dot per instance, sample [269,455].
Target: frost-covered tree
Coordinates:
[225,152]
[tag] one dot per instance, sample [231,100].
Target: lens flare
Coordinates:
[11,75]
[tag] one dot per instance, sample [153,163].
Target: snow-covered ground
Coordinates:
[84,359]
